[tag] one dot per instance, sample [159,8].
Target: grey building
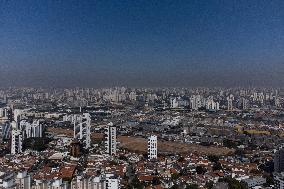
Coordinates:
[279,160]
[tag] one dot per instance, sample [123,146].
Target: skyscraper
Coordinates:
[174,102]
[33,129]
[230,102]
[82,127]
[110,139]
[152,147]
[16,140]
[5,114]
[244,103]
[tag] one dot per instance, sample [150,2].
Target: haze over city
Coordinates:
[141,43]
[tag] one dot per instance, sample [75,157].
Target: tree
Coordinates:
[36,143]
[269,180]
[267,166]
[183,172]
[122,157]
[233,183]
[136,183]
[156,181]
[209,184]
[175,176]
[181,159]
[113,163]
[200,170]
[174,187]
[192,186]
[229,143]
[217,166]
[213,158]
[255,171]
[239,152]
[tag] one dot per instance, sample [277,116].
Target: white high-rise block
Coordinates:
[174,102]
[110,139]
[112,182]
[33,129]
[82,127]
[23,180]
[18,114]
[152,147]
[16,139]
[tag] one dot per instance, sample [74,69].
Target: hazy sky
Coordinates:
[101,43]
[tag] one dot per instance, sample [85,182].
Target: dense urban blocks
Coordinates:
[140,138]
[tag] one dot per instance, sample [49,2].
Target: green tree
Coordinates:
[122,157]
[135,183]
[192,186]
[217,166]
[269,180]
[229,143]
[213,158]
[209,184]
[239,152]
[175,187]
[36,143]
[200,170]
[156,181]
[233,183]
[175,176]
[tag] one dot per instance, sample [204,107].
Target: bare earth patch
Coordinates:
[140,145]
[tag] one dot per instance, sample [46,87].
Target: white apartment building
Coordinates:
[23,180]
[50,184]
[110,139]
[22,130]
[5,114]
[212,105]
[15,180]
[33,129]
[152,147]
[174,102]
[81,182]
[82,127]
[17,139]
[112,182]
[106,181]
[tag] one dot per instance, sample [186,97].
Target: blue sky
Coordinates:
[101,43]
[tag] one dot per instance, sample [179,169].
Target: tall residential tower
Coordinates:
[152,147]
[110,139]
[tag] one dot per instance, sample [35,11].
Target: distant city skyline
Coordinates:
[142,43]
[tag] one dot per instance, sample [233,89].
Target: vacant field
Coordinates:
[140,145]
[67,132]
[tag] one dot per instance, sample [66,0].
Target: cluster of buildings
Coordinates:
[141,138]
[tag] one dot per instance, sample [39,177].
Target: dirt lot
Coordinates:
[140,145]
